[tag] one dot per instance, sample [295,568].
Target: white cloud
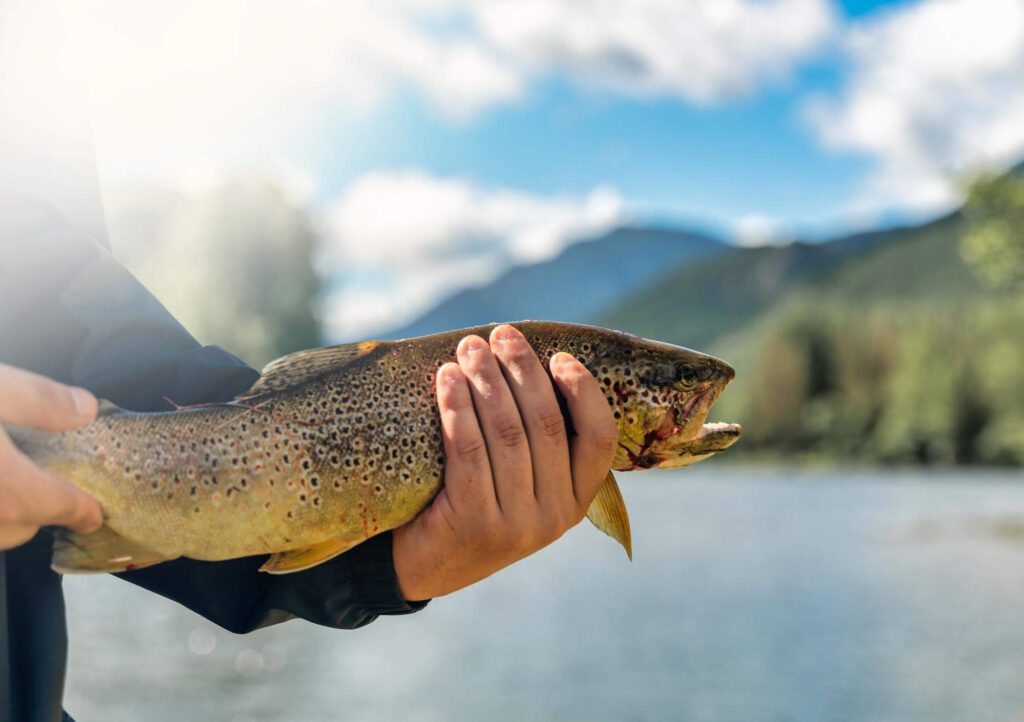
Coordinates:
[225,79]
[759,230]
[175,82]
[404,239]
[700,50]
[936,91]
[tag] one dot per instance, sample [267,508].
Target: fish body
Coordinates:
[332,446]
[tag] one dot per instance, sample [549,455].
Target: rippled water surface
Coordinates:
[755,595]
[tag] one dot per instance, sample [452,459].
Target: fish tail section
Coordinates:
[104,550]
[608,513]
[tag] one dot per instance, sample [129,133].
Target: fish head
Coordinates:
[661,395]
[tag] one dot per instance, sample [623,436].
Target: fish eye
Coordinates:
[686,373]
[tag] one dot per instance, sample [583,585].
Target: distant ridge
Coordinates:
[578,285]
[733,292]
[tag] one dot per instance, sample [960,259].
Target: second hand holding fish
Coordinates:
[514,482]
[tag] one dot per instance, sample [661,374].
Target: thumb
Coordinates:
[47,499]
[28,399]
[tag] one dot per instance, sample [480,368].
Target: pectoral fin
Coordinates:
[608,513]
[104,550]
[298,559]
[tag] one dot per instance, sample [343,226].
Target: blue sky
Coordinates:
[445,140]
[677,162]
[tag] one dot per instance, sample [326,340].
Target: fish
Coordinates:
[334,445]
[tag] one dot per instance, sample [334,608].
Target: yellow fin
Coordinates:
[302,366]
[104,550]
[298,559]
[608,513]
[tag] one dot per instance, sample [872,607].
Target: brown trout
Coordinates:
[334,445]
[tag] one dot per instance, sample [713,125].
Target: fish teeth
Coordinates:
[716,426]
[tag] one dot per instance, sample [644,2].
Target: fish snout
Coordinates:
[717,373]
[726,373]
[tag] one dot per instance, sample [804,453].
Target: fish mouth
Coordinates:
[683,438]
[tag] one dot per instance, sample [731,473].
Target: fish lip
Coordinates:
[669,426]
[720,428]
[682,418]
[684,412]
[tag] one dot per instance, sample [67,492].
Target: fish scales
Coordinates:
[335,445]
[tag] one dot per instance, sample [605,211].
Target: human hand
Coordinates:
[31,497]
[514,482]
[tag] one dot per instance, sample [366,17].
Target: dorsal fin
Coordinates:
[302,366]
[108,408]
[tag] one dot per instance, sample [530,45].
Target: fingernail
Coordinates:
[85,402]
[447,374]
[561,359]
[503,334]
[472,344]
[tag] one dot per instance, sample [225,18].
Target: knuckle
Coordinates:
[510,431]
[554,527]
[471,451]
[522,540]
[552,423]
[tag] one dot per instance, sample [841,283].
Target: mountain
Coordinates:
[698,304]
[578,285]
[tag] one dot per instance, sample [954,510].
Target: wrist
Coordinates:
[408,575]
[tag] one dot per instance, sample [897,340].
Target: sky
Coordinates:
[439,142]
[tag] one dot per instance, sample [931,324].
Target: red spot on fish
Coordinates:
[258,467]
[130,567]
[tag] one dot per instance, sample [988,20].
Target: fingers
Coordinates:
[32,400]
[38,498]
[467,469]
[538,408]
[593,447]
[507,446]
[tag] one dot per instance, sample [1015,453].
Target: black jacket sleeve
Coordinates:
[72,312]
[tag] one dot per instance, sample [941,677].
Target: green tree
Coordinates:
[993,242]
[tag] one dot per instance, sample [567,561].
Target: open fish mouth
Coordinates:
[683,438]
[719,431]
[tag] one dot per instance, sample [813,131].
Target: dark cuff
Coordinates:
[374,583]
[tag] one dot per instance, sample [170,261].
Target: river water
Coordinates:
[755,595]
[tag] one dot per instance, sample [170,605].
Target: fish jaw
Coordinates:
[712,438]
[681,437]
